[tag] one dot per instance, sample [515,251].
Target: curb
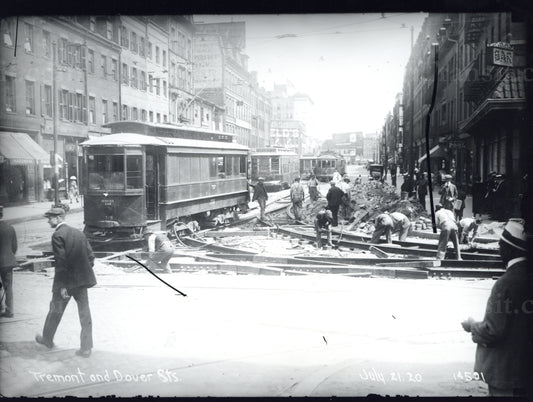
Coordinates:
[14,221]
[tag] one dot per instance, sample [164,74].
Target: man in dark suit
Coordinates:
[8,248]
[74,260]
[334,198]
[502,337]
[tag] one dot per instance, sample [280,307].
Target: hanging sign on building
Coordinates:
[500,54]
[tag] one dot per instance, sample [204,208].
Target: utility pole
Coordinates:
[54,111]
[410,163]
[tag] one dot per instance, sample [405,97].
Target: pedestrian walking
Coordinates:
[260,195]
[460,203]
[312,185]
[423,189]
[334,197]
[503,336]
[74,260]
[393,169]
[8,249]
[388,223]
[448,193]
[297,196]
[160,251]
[323,224]
[73,191]
[407,186]
[445,221]
[468,228]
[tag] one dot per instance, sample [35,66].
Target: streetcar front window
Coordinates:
[134,178]
[106,172]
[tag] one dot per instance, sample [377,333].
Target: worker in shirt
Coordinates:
[160,251]
[344,185]
[468,230]
[445,221]
[323,223]
[388,223]
[297,194]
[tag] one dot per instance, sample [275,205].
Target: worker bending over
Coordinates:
[386,224]
[323,223]
[468,228]
[160,250]
[445,221]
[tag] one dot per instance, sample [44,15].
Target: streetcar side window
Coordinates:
[242,168]
[213,168]
[106,172]
[229,165]
[134,178]
[274,164]
[221,167]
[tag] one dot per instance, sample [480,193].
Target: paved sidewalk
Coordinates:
[35,210]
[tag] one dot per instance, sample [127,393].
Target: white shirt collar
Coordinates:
[59,224]
[515,260]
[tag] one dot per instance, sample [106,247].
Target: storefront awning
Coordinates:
[20,149]
[436,151]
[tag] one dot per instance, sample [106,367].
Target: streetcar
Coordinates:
[278,166]
[136,182]
[326,164]
[307,166]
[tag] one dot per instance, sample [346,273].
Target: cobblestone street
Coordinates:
[247,336]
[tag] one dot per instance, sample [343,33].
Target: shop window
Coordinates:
[10,94]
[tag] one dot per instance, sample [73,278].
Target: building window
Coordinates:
[104,66]
[134,113]
[141,46]
[157,54]
[142,83]
[149,50]
[109,30]
[125,112]
[92,23]
[151,83]
[125,78]
[10,94]
[165,118]
[143,114]
[124,42]
[92,110]
[28,37]
[164,88]
[30,97]
[47,44]
[164,58]
[114,69]
[115,111]
[151,117]
[47,101]
[159,118]
[134,77]
[91,61]
[104,111]
[157,88]
[80,105]
[8,31]
[134,47]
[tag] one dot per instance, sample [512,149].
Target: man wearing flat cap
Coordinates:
[261,196]
[502,337]
[74,260]
[448,193]
[8,248]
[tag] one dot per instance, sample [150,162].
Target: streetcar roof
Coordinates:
[131,139]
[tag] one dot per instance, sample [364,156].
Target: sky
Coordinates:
[350,65]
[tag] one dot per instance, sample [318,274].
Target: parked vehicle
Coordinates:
[277,166]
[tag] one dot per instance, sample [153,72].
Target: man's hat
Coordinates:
[260,179]
[514,234]
[447,177]
[55,212]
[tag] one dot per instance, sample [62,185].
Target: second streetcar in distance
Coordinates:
[277,166]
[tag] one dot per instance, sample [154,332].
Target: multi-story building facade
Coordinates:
[290,113]
[60,84]
[477,124]
[349,145]
[371,143]
[221,76]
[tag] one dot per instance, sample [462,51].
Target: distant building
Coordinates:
[349,145]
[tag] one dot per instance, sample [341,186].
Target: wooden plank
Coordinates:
[377,252]
[238,233]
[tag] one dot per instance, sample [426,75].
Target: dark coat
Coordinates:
[502,336]
[74,259]
[334,196]
[260,192]
[422,186]
[8,246]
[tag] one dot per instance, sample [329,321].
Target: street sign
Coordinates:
[500,54]
[455,144]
